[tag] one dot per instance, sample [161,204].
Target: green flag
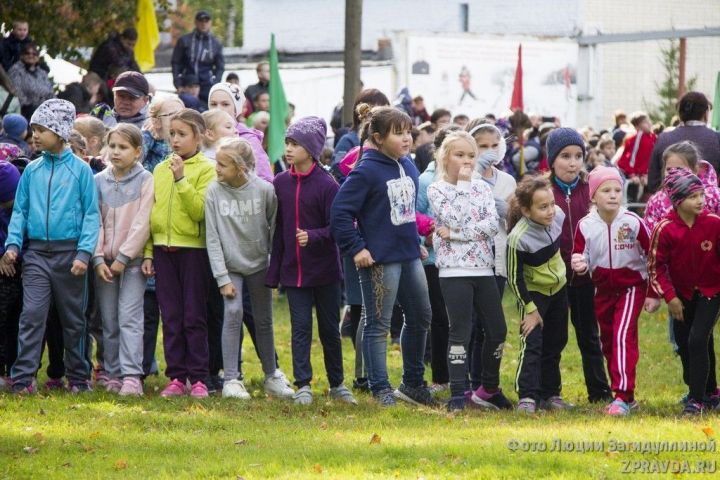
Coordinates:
[715,121]
[279,109]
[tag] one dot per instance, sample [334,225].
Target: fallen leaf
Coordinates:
[121,464]
[323,426]
[709,432]
[41,412]
[241,442]
[67,464]
[317,468]
[30,450]
[376,439]
[39,437]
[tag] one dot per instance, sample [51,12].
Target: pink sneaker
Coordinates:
[175,388]
[198,390]
[131,386]
[113,385]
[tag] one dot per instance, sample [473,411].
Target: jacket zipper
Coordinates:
[297,227]
[557,278]
[47,210]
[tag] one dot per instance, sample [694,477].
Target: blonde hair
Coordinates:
[129,132]
[239,151]
[158,102]
[444,151]
[192,119]
[259,116]
[212,119]
[90,127]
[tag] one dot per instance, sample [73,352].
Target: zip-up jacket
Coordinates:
[685,259]
[56,206]
[304,202]
[240,223]
[178,216]
[533,260]
[468,210]
[125,206]
[616,254]
[380,193]
[575,205]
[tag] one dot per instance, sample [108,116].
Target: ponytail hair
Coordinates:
[523,197]
[380,120]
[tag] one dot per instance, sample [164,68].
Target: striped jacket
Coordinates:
[533,260]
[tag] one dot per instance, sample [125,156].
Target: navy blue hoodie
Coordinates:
[380,193]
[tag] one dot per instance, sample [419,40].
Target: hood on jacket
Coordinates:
[248,132]
[136,170]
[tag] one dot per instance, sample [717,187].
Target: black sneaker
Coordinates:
[386,397]
[693,408]
[79,387]
[493,401]
[456,404]
[416,395]
[215,384]
[361,385]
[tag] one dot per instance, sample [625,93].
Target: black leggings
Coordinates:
[693,338]
[438,328]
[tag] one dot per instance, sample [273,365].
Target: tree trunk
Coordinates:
[353,37]
[230,31]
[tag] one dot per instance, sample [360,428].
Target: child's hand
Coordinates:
[177,166]
[651,305]
[104,273]
[643,180]
[147,268]
[117,268]
[578,263]
[78,268]
[443,232]
[228,291]
[301,236]
[465,173]
[428,241]
[363,259]
[423,253]
[635,179]
[676,309]
[7,269]
[9,258]
[529,322]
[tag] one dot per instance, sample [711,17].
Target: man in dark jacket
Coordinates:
[117,50]
[12,46]
[199,53]
[263,84]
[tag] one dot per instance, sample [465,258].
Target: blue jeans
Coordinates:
[381,285]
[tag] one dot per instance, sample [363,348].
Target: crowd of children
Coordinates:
[185,219]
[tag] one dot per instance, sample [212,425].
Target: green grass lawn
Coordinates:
[99,435]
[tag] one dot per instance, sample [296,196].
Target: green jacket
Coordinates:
[178,215]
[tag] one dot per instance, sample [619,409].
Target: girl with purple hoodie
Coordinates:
[305,259]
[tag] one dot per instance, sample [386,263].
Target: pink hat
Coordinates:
[600,175]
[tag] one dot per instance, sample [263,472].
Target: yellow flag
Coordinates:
[148,35]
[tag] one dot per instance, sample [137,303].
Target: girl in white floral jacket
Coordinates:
[465,223]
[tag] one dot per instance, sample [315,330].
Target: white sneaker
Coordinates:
[275,385]
[343,394]
[235,389]
[303,396]
[284,378]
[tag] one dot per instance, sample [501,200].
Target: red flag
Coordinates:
[516,103]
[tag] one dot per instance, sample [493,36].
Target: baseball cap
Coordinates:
[202,15]
[134,83]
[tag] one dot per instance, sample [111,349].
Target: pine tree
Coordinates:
[667,89]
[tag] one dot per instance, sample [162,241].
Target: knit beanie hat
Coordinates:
[233,91]
[561,138]
[56,115]
[309,133]
[602,174]
[680,183]
[14,125]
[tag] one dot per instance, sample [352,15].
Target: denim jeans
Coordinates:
[381,285]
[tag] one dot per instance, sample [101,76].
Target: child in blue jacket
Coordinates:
[56,209]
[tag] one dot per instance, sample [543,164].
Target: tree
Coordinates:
[667,89]
[226,17]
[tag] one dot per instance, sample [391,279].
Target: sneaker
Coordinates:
[526,405]
[416,395]
[456,404]
[711,402]
[618,408]
[175,388]
[276,385]
[20,389]
[493,401]
[303,396]
[199,390]
[555,403]
[79,387]
[235,389]
[131,387]
[100,375]
[280,374]
[386,397]
[343,394]
[634,405]
[113,385]
[55,384]
[693,408]
[361,385]
[684,399]
[436,388]
[215,384]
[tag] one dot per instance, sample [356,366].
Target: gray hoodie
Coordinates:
[239,224]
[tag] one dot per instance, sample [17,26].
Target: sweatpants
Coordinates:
[151,314]
[55,345]
[538,373]
[357,329]
[617,313]
[478,338]
[121,309]
[47,278]
[10,308]
[465,296]
[693,338]
[438,327]
[582,316]
[182,292]
[326,299]
[261,301]
[215,313]
[94,322]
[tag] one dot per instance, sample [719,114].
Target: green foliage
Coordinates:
[667,89]
[219,10]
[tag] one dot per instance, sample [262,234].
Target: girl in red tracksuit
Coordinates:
[612,243]
[684,268]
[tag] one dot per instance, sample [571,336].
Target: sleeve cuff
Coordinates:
[530,308]
[13,248]
[223,280]
[99,260]
[669,296]
[124,259]
[83,257]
